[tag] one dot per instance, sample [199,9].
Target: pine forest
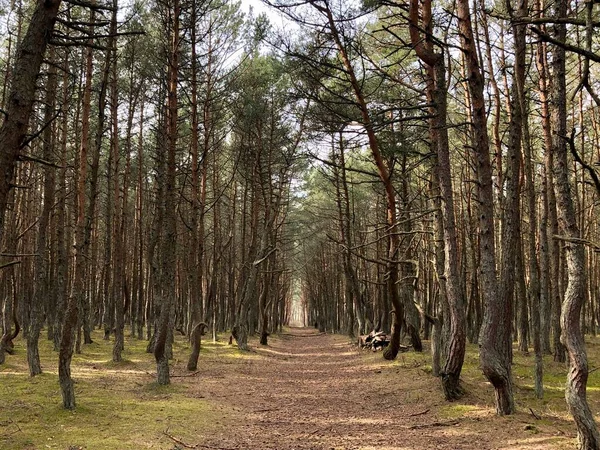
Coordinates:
[299,224]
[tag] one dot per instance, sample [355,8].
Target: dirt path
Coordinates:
[314,391]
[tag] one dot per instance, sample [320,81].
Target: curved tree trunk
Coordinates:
[572,335]
[436,92]
[196,339]
[495,336]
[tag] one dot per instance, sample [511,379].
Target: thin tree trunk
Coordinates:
[169,243]
[119,263]
[42,286]
[495,337]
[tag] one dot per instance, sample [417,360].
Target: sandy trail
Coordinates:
[308,390]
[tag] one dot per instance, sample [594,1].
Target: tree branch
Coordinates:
[571,141]
[572,48]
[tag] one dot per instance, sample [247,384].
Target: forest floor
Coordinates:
[305,390]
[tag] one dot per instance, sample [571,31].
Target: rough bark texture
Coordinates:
[572,335]
[196,340]
[118,262]
[28,61]
[455,346]
[169,243]
[495,336]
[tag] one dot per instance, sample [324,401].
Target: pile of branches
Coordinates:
[374,341]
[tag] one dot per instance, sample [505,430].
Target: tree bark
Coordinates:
[196,339]
[13,131]
[495,336]
[169,243]
[391,350]
[42,285]
[572,335]
[456,344]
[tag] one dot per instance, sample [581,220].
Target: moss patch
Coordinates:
[119,405]
[456,411]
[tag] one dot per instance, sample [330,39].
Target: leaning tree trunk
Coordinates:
[572,335]
[391,350]
[13,131]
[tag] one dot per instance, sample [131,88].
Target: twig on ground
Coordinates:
[178,441]
[433,424]
[186,375]
[419,413]
[185,445]
[18,430]
[534,414]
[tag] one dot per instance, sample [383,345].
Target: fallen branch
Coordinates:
[433,424]
[178,441]
[534,414]
[185,445]
[419,413]
[186,375]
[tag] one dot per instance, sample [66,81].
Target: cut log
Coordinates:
[374,341]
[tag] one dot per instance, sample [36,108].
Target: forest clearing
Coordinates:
[306,390]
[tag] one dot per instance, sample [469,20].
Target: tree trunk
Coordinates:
[77,296]
[118,231]
[495,336]
[169,243]
[436,92]
[391,350]
[13,131]
[196,339]
[42,286]
[572,335]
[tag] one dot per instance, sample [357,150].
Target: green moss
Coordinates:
[119,406]
[456,410]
